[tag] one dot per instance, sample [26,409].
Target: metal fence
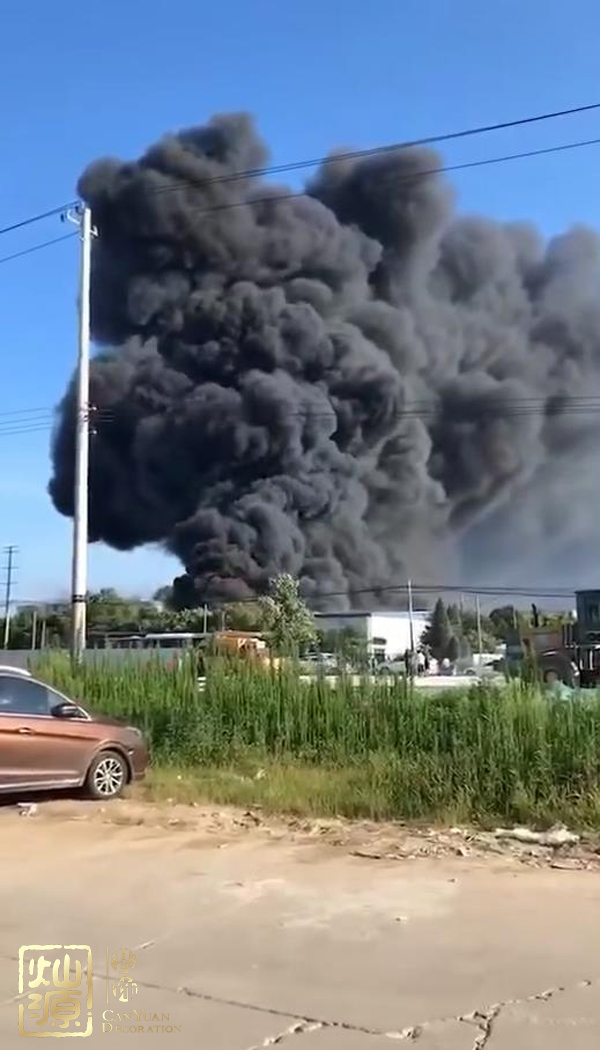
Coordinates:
[23,657]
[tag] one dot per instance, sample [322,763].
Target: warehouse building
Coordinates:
[387,633]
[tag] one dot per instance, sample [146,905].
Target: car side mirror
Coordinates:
[66,710]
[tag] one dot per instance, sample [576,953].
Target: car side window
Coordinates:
[22,696]
[54,699]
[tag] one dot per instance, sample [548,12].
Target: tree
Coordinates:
[108,611]
[438,632]
[243,616]
[453,649]
[465,649]
[349,645]
[286,620]
[463,623]
[505,621]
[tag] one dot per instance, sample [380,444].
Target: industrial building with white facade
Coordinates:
[388,634]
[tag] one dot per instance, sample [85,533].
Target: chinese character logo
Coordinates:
[57,980]
[124,988]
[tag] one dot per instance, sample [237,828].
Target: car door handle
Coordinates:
[25,730]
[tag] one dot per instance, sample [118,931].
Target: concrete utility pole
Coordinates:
[411,625]
[8,585]
[83,217]
[479,638]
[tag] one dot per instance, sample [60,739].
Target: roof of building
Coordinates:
[402,614]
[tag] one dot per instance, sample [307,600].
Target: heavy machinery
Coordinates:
[569,652]
[245,645]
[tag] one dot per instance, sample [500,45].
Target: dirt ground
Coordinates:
[251,933]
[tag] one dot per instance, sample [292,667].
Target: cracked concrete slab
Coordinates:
[301,943]
[450,1035]
[9,979]
[203,1024]
[567,1018]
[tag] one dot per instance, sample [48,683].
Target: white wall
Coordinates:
[358,622]
[393,626]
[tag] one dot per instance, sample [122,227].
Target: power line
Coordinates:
[37,247]
[277,198]
[334,158]
[424,589]
[514,408]
[37,218]
[431,589]
[27,411]
[25,422]
[418,404]
[45,421]
[47,410]
[463,413]
[26,430]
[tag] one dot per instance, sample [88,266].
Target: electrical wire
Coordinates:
[17,431]
[38,247]
[276,198]
[37,218]
[334,158]
[46,420]
[48,410]
[428,590]
[417,589]
[27,411]
[428,140]
[513,408]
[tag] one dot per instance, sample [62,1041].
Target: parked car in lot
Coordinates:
[49,741]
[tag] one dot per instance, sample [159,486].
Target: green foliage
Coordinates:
[193,620]
[286,620]
[243,616]
[453,649]
[464,625]
[438,632]
[54,625]
[505,621]
[348,644]
[488,753]
[107,613]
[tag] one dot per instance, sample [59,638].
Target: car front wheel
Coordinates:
[107,775]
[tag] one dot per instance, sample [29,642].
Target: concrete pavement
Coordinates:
[248,941]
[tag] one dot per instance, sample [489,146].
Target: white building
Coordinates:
[386,633]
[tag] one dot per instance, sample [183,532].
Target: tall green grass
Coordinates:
[484,753]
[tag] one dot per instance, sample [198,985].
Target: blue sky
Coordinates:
[80,81]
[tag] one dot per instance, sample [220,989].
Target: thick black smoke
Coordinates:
[334,385]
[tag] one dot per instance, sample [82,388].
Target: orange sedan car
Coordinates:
[48,741]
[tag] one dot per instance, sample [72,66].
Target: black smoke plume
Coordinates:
[352,385]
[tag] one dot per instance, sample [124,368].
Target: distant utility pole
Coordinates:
[411,625]
[83,217]
[8,585]
[479,637]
